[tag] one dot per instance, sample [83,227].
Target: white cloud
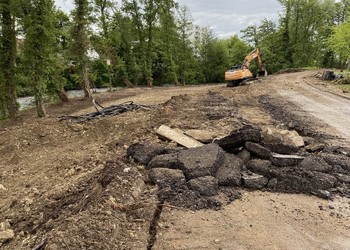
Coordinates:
[226,17]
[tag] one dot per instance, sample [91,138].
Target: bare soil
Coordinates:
[71,186]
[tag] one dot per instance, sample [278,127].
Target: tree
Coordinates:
[8,104]
[340,42]
[80,43]
[38,48]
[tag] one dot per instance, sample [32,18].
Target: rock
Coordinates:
[272,183]
[2,188]
[285,137]
[286,160]
[206,185]
[315,147]
[340,160]
[254,181]
[6,235]
[202,161]
[203,136]
[322,181]
[262,167]
[165,177]
[323,194]
[308,140]
[343,178]
[244,155]
[294,183]
[164,161]
[258,150]
[144,153]
[281,148]
[315,163]
[229,173]
[237,138]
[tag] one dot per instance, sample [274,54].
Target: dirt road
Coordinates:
[71,186]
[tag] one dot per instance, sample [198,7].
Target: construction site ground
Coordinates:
[71,186]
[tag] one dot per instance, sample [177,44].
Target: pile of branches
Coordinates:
[105,111]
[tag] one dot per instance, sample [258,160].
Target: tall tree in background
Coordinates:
[168,40]
[80,43]
[8,105]
[38,48]
[340,42]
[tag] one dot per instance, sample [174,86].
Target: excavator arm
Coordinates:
[250,57]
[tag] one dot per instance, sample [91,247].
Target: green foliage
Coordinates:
[340,41]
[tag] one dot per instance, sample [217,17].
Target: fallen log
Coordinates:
[105,111]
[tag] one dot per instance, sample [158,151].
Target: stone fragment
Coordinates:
[340,160]
[315,147]
[229,173]
[285,137]
[322,181]
[343,178]
[165,177]
[144,153]
[203,136]
[272,183]
[6,236]
[237,138]
[202,161]
[206,185]
[2,188]
[164,161]
[244,155]
[263,167]
[315,163]
[281,148]
[254,181]
[286,160]
[258,150]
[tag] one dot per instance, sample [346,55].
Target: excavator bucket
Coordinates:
[262,73]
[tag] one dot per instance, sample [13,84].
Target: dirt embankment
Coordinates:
[71,186]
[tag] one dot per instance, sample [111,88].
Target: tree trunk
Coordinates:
[150,83]
[127,82]
[40,107]
[9,52]
[62,95]
[86,82]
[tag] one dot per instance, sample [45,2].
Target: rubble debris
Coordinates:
[340,160]
[244,155]
[143,153]
[108,111]
[254,181]
[315,147]
[180,138]
[203,161]
[192,177]
[229,173]
[164,161]
[315,163]
[207,185]
[165,177]
[286,160]
[237,138]
[282,137]
[258,150]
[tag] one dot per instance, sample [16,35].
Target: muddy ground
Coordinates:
[71,186]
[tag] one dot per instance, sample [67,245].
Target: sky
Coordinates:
[225,17]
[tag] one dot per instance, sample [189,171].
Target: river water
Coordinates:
[29,101]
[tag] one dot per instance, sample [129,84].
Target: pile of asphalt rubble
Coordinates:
[200,177]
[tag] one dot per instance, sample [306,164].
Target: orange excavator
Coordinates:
[241,74]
